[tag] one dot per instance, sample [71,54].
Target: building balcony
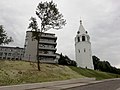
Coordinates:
[48,61]
[46,42]
[47,48]
[49,37]
[47,55]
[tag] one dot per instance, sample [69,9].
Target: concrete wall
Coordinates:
[46,47]
[30,48]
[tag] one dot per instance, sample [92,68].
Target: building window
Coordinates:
[9,54]
[12,58]
[78,32]
[84,50]
[8,58]
[5,54]
[42,45]
[79,50]
[11,50]
[4,57]
[1,53]
[78,39]
[83,38]
[45,52]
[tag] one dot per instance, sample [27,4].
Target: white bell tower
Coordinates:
[83,49]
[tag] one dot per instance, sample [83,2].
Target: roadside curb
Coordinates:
[94,82]
[54,84]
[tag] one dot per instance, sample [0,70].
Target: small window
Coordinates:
[84,50]
[1,53]
[12,58]
[4,57]
[8,58]
[78,39]
[9,54]
[83,38]
[79,50]
[78,32]
[5,54]
[45,52]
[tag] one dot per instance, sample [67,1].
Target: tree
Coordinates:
[96,60]
[4,39]
[62,60]
[65,60]
[50,18]
[104,66]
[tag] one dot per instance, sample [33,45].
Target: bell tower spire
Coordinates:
[83,48]
[81,28]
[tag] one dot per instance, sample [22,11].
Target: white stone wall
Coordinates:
[83,51]
[84,55]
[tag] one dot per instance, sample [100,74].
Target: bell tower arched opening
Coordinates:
[83,38]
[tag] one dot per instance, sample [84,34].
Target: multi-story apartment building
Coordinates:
[47,48]
[11,53]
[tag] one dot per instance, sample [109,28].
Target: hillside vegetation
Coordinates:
[19,72]
[104,66]
[94,73]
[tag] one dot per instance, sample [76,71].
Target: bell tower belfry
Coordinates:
[83,51]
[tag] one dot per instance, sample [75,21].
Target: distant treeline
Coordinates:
[104,66]
[98,65]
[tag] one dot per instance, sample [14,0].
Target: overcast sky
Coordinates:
[101,18]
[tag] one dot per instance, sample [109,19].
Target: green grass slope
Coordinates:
[93,73]
[19,72]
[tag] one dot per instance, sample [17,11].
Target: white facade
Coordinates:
[11,53]
[83,49]
[30,47]
[47,48]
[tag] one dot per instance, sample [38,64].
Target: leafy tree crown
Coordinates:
[4,39]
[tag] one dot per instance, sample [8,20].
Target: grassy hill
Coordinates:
[19,72]
[93,73]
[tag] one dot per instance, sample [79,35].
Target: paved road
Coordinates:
[107,85]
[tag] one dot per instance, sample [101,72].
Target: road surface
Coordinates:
[107,85]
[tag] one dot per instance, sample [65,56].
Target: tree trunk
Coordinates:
[38,62]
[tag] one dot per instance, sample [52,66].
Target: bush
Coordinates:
[65,60]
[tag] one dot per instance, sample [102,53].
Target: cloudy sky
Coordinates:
[101,18]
